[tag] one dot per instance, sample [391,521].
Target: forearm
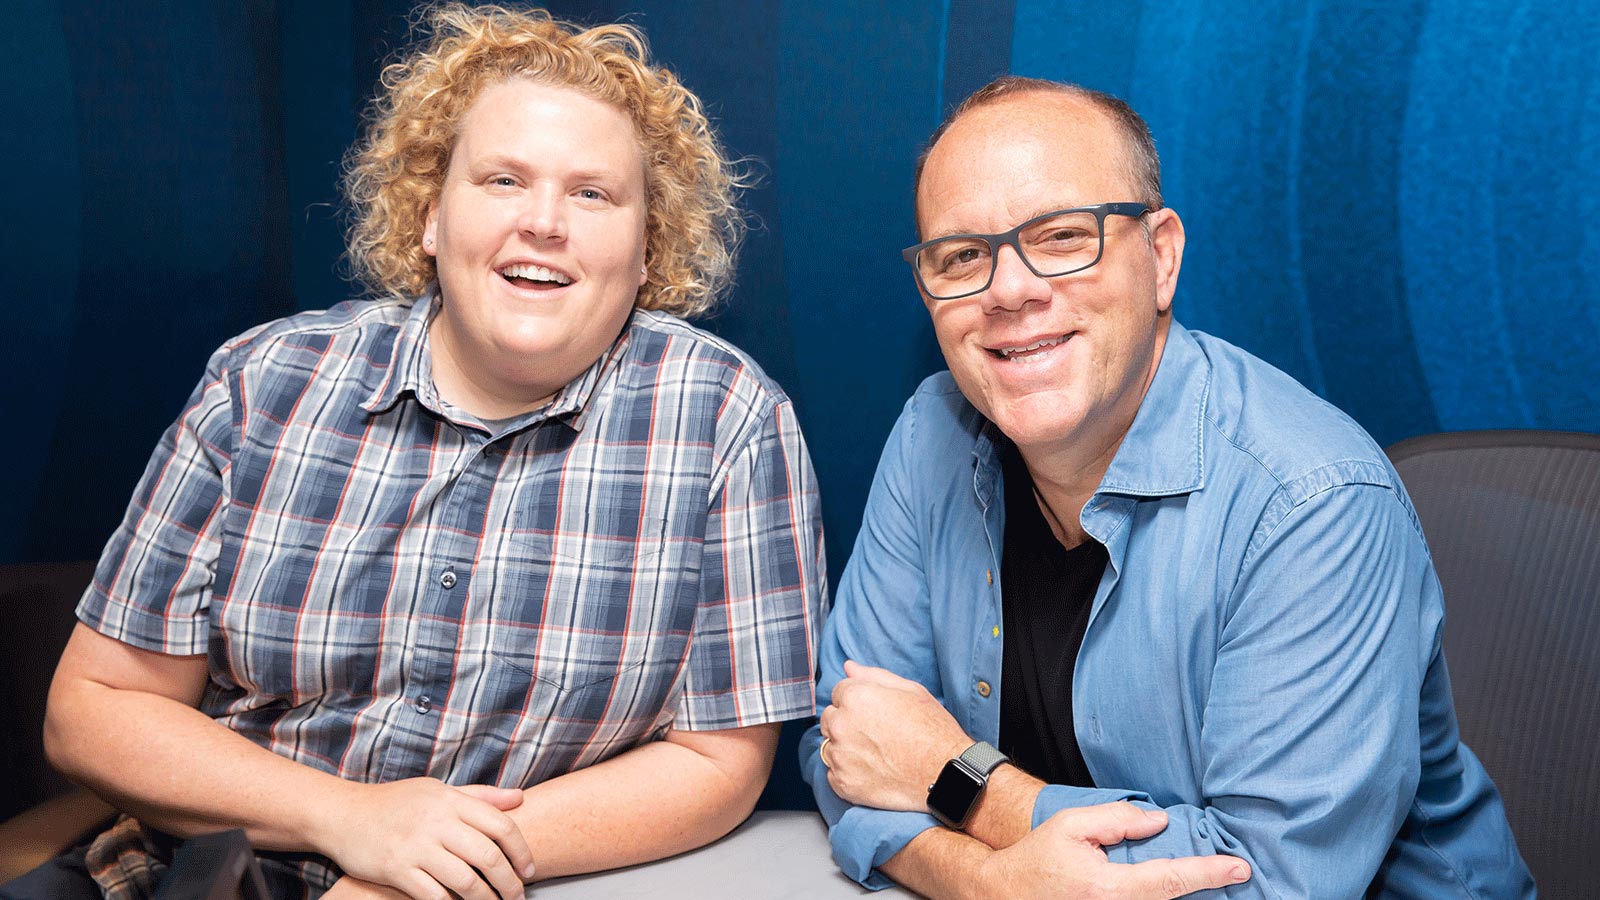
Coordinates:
[653,801]
[176,769]
[1004,812]
[939,864]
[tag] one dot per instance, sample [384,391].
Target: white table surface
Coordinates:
[774,855]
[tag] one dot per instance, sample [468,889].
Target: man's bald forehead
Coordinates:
[1081,107]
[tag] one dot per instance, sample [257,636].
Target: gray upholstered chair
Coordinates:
[1513,521]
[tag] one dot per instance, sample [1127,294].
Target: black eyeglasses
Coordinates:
[1056,243]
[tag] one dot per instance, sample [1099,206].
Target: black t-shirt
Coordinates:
[1046,593]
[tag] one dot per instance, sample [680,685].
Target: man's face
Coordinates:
[539,237]
[1100,330]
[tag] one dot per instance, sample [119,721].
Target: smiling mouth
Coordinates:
[1035,350]
[531,276]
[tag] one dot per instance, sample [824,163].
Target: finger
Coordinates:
[1162,879]
[836,784]
[836,696]
[419,885]
[1109,823]
[478,851]
[825,721]
[498,797]
[460,877]
[873,674]
[853,669]
[503,831]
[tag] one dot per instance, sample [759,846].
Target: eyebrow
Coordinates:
[1038,211]
[513,164]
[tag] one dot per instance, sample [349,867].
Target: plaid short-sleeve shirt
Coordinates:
[386,587]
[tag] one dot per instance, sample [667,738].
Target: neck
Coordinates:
[483,397]
[1061,499]
[1066,475]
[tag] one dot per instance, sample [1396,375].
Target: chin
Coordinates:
[1037,418]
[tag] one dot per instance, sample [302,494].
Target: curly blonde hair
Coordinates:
[395,173]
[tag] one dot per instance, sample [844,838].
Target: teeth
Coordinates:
[1008,352]
[535,273]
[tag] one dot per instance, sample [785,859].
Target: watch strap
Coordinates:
[983,758]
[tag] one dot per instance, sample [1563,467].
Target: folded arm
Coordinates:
[125,722]
[1308,749]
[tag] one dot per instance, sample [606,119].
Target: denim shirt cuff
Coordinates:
[865,838]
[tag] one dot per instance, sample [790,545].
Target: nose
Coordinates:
[543,216]
[1014,285]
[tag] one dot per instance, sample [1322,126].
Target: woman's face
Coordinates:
[539,237]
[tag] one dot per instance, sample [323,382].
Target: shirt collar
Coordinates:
[410,371]
[1163,453]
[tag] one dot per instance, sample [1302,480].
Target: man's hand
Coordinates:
[1063,858]
[887,739]
[430,840]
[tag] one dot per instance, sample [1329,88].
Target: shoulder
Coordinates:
[939,415]
[1264,422]
[352,328]
[934,438]
[670,356]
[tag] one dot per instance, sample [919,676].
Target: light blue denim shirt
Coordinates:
[1263,654]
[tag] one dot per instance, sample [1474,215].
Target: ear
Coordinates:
[644,274]
[1166,239]
[430,231]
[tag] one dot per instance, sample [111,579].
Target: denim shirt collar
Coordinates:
[1163,453]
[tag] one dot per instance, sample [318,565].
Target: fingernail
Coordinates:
[1154,815]
[1238,874]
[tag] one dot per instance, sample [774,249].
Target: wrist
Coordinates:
[961,784]
[322,814]
[983,883]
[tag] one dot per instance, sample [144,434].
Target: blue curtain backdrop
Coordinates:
[1396,202]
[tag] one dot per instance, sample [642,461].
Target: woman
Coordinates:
[507,572]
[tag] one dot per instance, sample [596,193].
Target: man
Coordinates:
[509,573]
[1109,560]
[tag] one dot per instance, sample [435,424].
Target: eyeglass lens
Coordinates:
[1055,245]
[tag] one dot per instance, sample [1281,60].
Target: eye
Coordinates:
[503,181]
[591,194]
[1064,234]
[961,256]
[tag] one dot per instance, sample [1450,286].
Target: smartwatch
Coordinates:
[953,796]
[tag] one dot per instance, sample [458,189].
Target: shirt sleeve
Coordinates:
[1310,741]
[883,618]
[882,590]
[763,584]
[152,587]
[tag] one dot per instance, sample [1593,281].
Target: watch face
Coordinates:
[953,795]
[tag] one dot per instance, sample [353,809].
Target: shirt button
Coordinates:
[447,579]
[424,704]
[983,689]
[492,451]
